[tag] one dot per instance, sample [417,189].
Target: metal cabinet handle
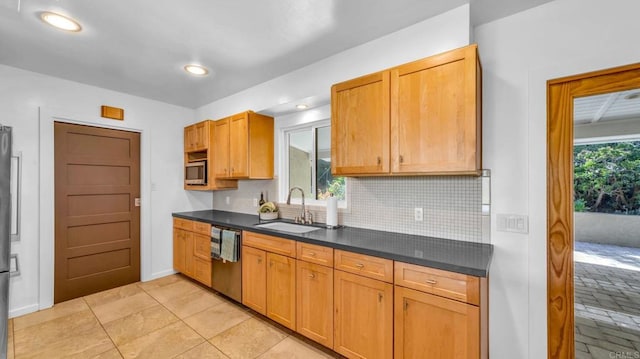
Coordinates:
[312,275]
[379,160]
[259,260]
[380,297]
[360,265]
[401,159]
[312,254]
[431,281]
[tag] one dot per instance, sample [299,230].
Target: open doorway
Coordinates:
[606,188]
[561,94]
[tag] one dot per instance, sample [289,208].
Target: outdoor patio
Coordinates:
[607,301]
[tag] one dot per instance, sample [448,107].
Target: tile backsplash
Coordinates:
[452,205]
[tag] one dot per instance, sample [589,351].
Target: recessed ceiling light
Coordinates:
[197,70]
[302,106]
[60,22]
[632,96]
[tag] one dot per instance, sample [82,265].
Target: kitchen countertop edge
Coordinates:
[479,251]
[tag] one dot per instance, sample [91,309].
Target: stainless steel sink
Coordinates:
[288,227]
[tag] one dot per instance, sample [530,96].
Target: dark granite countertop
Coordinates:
[451,255]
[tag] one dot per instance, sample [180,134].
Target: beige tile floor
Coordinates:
[171,317]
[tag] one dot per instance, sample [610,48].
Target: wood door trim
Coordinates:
[560,96]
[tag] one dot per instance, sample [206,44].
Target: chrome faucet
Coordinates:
[303,217]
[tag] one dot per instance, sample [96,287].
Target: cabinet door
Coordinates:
[202,270]
[360,125]
[435,118]
[189,264]
[281,289]
[200,136]
[239,150]
[189,138]
[221,149]
[179,250]
[314,302]
[363,316]
[254,279]
[429,326]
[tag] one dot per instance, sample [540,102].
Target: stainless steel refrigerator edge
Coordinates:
[5,233]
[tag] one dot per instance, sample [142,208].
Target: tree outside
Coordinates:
[607,178]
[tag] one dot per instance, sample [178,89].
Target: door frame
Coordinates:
[46,191]
[561,93]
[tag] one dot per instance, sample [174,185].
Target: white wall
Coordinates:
[24,96]
[432,36]
[519,54]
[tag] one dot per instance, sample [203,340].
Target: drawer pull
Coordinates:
[431,281]
[380,297]
[360,265]
[379,160]
[312,275]
[259,260]
[312,254]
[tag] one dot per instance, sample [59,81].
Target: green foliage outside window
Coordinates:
[607,178]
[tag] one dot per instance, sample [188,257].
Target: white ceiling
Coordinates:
[616,106]
[140,46]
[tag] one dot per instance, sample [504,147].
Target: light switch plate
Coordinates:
[418,214]
[513,223]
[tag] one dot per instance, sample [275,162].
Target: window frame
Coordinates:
[284,167]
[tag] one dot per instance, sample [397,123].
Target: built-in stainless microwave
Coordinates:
[195,173]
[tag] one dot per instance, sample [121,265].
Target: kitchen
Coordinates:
[519,53]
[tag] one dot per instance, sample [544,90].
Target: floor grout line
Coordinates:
[103,328]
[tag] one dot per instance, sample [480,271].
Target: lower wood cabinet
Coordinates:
[191,255]
[281,289]
[363,321]
[269,283]
[254,279]
[314,302]
[430,326]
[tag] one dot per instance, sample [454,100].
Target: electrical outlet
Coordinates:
[418,214]
[227,200]
[255,202]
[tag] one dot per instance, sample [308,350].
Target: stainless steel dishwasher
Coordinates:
[226,269]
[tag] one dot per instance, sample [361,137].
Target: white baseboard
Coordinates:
[161,274]
[23,310]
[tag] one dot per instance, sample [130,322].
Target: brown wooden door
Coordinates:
[435,114]
[314,302]
[363,326]
[239,146]
[179,249]
[360,125]
[254,279]
[97,224]
[221,149]
[429,326]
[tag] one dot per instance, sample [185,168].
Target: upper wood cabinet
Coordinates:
[243,147]
[198,147]
[196,136]
[360,125]
[420,118]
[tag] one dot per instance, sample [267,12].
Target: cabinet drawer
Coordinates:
[364,265]
[183,224]
[456,286]
[202,246]
[315,254]
[270,244]
[202,228]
